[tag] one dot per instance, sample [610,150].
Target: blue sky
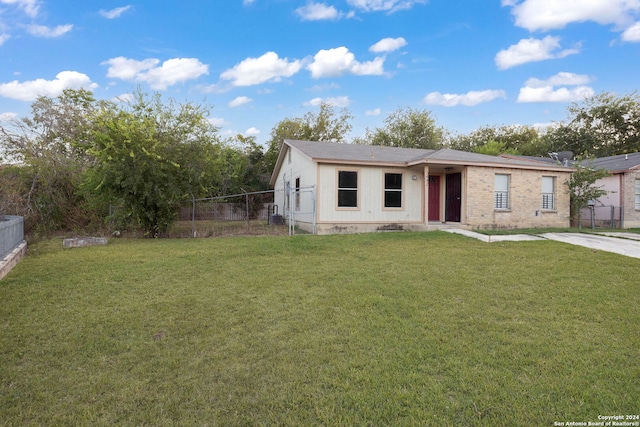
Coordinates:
[256,62]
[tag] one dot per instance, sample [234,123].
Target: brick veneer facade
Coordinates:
[628,199]
[525,199]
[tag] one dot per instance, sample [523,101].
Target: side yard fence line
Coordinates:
[602,217]
[270,212]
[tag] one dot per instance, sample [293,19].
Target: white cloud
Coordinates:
[3,38]
[553,14]
[247,2]
[536,90]
[531,50]
[469,99]
[174,71]
[128,69]
[268,67]
[125,97]
[560,79]
[549,94]
[252,131]
[171,72]
[317,12]
[384,5]
[374,112]
[30,7]
[30,90]
[388,45]
[631,34]
[114,13]
[241,100]
[339,101]
[339,61]
[218,121]
[44,31]
[324,87]
[7,117]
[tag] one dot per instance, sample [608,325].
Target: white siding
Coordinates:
[301,167]
[610,184]
[370,196]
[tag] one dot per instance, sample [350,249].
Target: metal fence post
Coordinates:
[246,203]
[193,217]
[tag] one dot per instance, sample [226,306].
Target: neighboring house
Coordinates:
[620,207]
[360,188]
[622,186]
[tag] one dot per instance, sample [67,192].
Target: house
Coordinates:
[348,188]
[623,190]
[620,207]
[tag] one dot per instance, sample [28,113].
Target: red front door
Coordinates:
[434,198]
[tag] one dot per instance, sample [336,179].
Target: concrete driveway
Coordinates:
[622,246]
[627,244]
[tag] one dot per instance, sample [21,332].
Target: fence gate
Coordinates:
[300,208]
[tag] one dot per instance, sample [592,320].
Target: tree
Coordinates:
[326,125]
[602,125]
[407,128]
[51,146]
[582,188]
[520,140]
[256,175]
[493,148]
[150,156]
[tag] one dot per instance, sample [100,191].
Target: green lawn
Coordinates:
[376,329]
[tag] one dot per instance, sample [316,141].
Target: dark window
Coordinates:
[392,190]
[297,194]
[347,189]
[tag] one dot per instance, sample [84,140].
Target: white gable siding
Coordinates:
[302,167]
[370,196]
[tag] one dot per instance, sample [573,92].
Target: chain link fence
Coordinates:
[274,212]
[601,217]
[237,214]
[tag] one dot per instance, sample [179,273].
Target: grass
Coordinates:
[377,329]
[217,228]
[536,231]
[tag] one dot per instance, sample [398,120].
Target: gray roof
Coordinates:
[357,152]
[620,162]
[334,152]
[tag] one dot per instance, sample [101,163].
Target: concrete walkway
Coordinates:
[493,238]
[627,244]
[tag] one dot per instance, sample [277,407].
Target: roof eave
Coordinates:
[278,165]
[360,162]
[533,166]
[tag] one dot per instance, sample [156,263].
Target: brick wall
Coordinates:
[631,214]
[525,199]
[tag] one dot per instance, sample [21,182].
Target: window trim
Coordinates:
[507,205]
[357,189]
[297,194]
[401,190]
[637,193]
[552,194]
